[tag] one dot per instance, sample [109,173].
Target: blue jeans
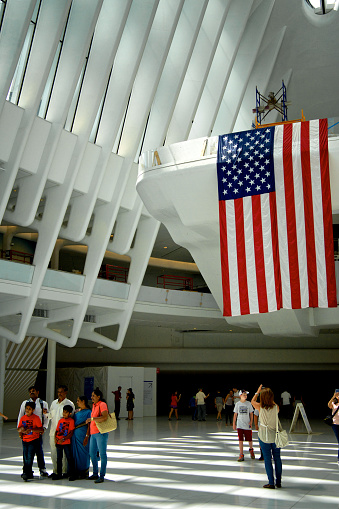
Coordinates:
[335,428]
[269,450]
[29,450]
[97,443]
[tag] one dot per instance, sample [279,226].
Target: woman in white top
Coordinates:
[268,415]
[333,404]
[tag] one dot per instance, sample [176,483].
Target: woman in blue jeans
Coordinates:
[98,440]
[268,416]
[333,404]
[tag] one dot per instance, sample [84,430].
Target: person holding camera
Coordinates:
[333,404]
[268,415]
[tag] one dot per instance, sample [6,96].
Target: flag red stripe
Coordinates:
[309,216]
[241,256]
[259,254]
[327,214]
[227,311]
[275,249]
[290,218]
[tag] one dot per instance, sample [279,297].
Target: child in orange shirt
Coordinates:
[63,435]
[29,429]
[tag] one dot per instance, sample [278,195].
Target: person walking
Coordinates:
[218,403]
[174,405]
[268,416]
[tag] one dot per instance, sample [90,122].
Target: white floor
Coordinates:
[180,464]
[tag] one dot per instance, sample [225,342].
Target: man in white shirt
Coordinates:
[285,407]
[41,410]
[201,407]
[55,414]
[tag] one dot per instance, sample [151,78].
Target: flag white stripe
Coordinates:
[250,256]
[300,215]
[281,217]
[232,258]
[268,252]
[318,213]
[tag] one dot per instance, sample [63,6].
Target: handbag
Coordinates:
[281,436]
[329,418]
[109,425]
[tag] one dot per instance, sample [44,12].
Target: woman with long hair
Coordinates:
[98,440]
[80,440]
[268,416]
[174,405]
[130,404]
[333,404]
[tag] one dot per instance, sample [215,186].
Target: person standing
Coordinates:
[63,435]
[285,407]
[80,440]
[192,404]
[229,405]
[55,414]
[41,410]
[130,404]
[201,406]
[268,416]
[29,429]
[333,404]
[98,441]
[117,398]
[242,423]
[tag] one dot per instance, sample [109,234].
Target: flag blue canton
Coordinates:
[245,164]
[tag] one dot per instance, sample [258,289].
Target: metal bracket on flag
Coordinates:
[156,158]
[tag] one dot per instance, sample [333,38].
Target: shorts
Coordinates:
[174,406]
[219,407]
[244,434]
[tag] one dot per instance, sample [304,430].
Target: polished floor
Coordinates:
[155,463]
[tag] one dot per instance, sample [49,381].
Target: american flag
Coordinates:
[276,237]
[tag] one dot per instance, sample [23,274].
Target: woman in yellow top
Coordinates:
[268,415]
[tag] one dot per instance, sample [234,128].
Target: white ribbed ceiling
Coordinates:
[87,85]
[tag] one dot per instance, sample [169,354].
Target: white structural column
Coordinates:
[242,68]
[50,379]
[221,68]
[16,20]
[3,348]
[197,72]
[174,72]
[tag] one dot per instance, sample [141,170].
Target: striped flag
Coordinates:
[276,237]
